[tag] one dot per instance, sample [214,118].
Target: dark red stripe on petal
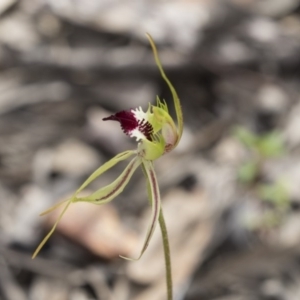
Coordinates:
[155,187]
[155,206]
[119,184]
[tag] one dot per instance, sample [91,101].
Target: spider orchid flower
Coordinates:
[156,134]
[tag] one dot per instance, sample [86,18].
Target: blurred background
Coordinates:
[231,190]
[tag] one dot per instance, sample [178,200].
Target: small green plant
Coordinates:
[261,148]
[156,134]
[275,194]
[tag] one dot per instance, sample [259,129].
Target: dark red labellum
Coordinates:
[129,123]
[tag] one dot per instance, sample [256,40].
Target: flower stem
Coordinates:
[167,254]
[165,240]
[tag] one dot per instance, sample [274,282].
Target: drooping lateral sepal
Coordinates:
[155,204]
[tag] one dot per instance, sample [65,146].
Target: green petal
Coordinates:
[98,172]
[109,192]
[155,203]
[172,89]
[105,167]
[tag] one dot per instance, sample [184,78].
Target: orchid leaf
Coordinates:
[172,89]
[155,203]
[109,192]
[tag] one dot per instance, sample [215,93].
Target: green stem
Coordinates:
[165,240]
[167,254]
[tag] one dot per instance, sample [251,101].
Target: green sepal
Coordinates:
[155,204]
[172,89]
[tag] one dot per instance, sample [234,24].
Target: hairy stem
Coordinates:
[167,253]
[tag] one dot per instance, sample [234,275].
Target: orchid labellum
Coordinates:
[156,135]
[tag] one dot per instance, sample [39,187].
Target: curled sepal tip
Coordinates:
[155,204]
